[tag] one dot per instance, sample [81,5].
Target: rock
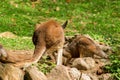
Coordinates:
[32,73]
[106,76]
[85,63]
[61,72]
[85,77]
[77,75]
[74,73]
[93,76]
[8,35]
[16,56]
[9,72]
[64,73]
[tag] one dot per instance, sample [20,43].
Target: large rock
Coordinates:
[9,72]
[64,73]
[93,76]
[32,73]
[106,76]
[8,35]
[77,75]
[84,77]
[59,73]
[85,63]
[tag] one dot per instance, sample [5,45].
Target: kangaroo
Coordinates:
[83,46]
[48,37]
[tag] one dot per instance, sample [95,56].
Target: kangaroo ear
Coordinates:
[65,24]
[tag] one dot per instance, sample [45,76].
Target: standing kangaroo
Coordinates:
[47,37]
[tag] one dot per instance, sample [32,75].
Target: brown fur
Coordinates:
[48,37]
[83,46]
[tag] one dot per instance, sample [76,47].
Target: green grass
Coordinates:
[114,66]
[19,43]
[99,19]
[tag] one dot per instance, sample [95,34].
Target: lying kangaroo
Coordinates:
[47,37]
[83,46]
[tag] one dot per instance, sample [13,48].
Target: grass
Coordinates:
[114,66]
[99,19]
[19,43]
